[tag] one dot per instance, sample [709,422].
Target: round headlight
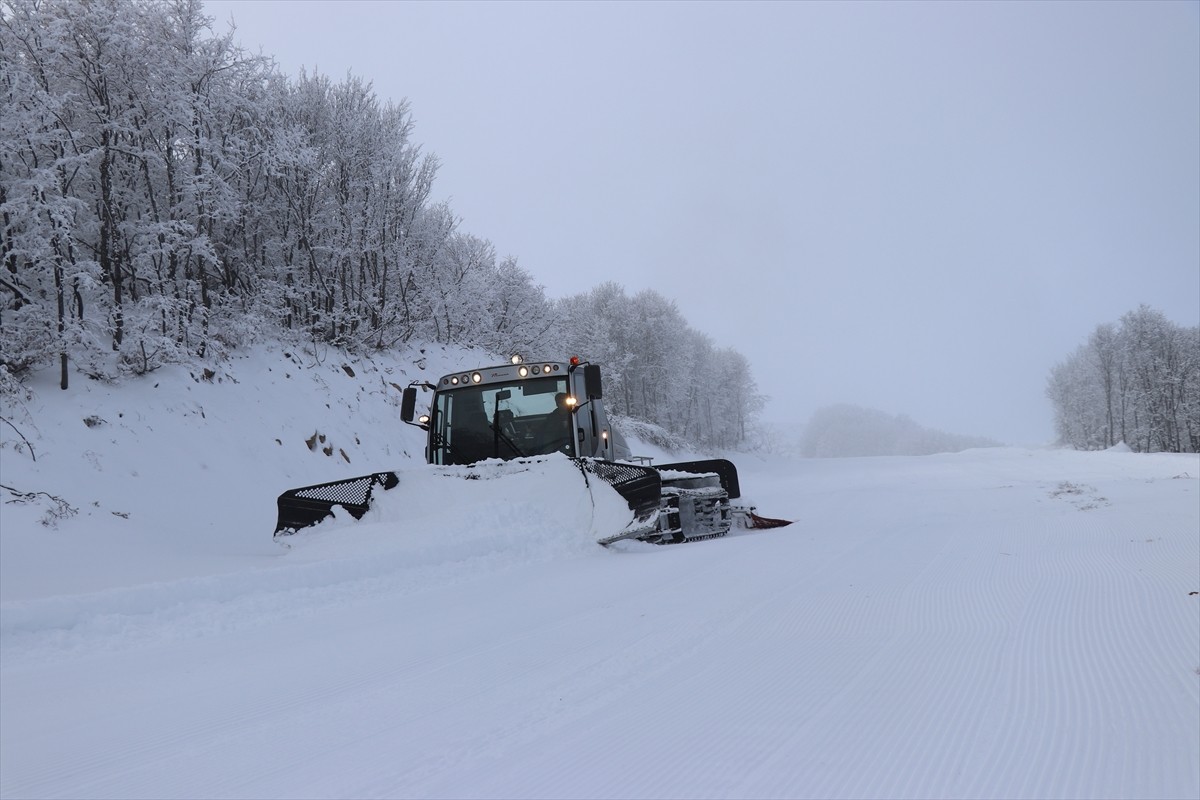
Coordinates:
[454,380]
[476,377]
[523,371]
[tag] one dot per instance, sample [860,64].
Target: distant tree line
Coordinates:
[845,430]
[165,195]
[1136,381]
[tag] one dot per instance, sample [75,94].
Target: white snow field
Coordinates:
[1001,623]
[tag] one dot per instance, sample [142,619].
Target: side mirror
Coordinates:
[591,382]
[408,404]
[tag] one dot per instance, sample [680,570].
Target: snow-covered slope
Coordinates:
[993,623]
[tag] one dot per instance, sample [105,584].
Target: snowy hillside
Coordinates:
[993,623]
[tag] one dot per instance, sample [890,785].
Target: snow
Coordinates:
[994,623]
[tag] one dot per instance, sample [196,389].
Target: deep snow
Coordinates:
[995,623]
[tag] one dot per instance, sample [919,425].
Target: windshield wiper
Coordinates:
[499,434]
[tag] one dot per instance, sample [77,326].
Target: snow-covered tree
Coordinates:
[658,368]
[1136,382]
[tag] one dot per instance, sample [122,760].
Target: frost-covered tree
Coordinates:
[1136,382]
[161,191]
[658,368]
[125,131]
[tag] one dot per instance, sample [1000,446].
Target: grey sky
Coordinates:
[914,207]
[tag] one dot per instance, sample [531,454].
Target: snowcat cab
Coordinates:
[523,413]
[517,411]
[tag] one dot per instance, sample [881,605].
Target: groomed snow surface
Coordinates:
[995,623]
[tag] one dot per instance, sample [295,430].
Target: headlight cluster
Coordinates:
[466,379]
[537,369]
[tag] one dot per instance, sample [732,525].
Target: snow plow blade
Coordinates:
[308,505]
[641,487]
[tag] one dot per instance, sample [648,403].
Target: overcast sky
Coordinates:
[915,207]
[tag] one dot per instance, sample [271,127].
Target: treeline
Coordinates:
[659,368]
[1136,381]
[165,195]
[845,430]
[162,190]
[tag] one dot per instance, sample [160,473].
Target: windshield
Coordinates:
[501,420]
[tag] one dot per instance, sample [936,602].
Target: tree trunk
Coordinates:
[108,265]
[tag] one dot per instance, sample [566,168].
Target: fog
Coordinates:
[914,207]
